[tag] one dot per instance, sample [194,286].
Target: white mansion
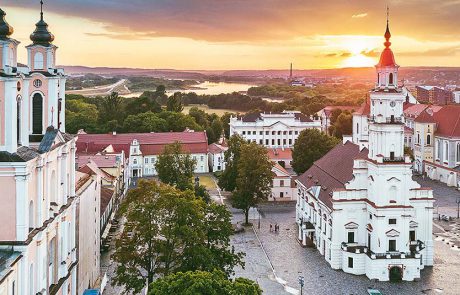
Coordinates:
[273,130]
[360,207]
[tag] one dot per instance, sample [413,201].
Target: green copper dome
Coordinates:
[41,35]
[5,29]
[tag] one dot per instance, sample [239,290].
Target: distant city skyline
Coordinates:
[255,34]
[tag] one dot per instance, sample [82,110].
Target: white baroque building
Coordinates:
[360,207]
[39,205]
[272,130]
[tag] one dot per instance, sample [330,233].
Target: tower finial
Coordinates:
[41,9]
[387,32]
[388,14]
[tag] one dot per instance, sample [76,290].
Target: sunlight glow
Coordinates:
[358,60]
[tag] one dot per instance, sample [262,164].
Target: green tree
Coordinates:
[343,125]
[167,231]
[111,108]
[202,193]
[226,123]
[200,282]
[175,103]
[199,116]
[227,179]
[160,220]
[81,115]
[214,132]
[254,180]
[144,122]
[175,167]
[178,122]
[310,146]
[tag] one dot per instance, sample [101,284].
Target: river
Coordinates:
[210,88]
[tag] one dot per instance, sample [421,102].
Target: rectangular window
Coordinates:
[146,160]
[267,132]
[261,132]
[350,262]
[351,237]
[290,132]
[392,221]
[260,141]
[152,160]
[290,141]
[267,142]
[244,132]
[279,141]
[253,133]
[392,245]
[202,158]
[284,141]
[281,182]
[370,216]
[412,235]
[273,142]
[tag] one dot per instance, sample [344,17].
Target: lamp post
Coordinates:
[258,224]
[458,207]
[301,283]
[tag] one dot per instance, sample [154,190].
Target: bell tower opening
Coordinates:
[18,120]
[37,114]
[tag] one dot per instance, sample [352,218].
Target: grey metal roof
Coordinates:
[47,142]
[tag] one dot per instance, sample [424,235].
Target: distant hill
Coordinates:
[424,75]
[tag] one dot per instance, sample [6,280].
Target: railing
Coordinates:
[387,120]
[414,248]
[393,159]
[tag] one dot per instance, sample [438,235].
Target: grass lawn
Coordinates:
[205,108]
[207,182]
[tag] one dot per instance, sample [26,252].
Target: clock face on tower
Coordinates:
[392,104]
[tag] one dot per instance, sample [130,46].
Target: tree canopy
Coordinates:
[254,180]
[204,283]
[175,167]
[168,231]
[227,180]
[310,146]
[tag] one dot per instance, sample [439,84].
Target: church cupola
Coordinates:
[5,29]
[8,47]
[42,35]
[387,69]
[42,52]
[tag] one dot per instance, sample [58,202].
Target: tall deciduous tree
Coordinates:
[254,180]
[310,146]
[111,108]
[227,180]
[168,230]
[200,282]
[343,125]
[174,103]
[175,167]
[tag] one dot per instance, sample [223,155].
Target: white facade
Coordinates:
[375,221]
[216,157]
[283,188]
[279,130]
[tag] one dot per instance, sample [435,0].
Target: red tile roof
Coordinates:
[106,196]
[365,109]
[215,148]
[279,154]
[425,117]
[102,161]
[333,170]
[448,121]
[150,143]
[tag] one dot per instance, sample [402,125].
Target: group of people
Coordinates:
[277,227]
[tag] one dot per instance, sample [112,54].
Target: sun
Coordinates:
[357,61]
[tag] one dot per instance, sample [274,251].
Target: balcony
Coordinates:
[393,159]
[415,248]
[385,120]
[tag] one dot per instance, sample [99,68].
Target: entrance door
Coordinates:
[281,195]
[135,174]
[395,274]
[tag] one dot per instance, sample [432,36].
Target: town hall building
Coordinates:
[359,206]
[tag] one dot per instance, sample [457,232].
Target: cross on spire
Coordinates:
[41,9]
[388,14]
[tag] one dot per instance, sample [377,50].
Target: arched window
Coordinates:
[31,216]
[357,128]
[438,149]
[18,119]
[37,114]
[53,184]
[428,139]
[418,138]
[390,82]
[135,161]
[11,58]
[446,151]
[38,61]
[458,152]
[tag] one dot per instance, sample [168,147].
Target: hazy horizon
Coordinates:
[242,35]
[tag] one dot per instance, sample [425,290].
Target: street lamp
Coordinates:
[301,283]
[458,207]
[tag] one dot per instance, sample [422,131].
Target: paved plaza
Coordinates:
[290,260]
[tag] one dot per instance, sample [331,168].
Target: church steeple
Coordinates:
[41,35]
[5,29]
[387,69]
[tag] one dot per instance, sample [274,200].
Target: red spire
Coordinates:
[387,58]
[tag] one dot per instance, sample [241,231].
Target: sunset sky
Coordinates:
[242,34]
